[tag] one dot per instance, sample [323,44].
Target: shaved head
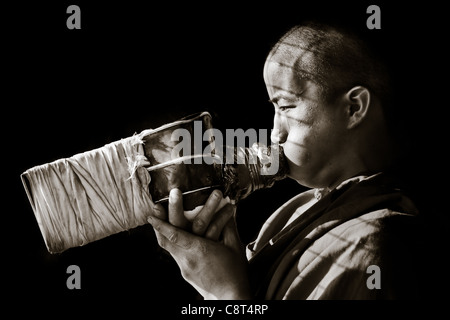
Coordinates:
[329,94]
[333,58]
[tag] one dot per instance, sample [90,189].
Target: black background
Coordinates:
[134,66]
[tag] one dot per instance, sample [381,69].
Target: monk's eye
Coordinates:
[284,108]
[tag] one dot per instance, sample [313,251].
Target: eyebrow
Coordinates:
[276,99]
[285,94]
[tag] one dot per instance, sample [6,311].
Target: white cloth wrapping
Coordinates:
[91,195]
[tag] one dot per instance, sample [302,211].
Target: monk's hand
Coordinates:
[210,256]
[207,220]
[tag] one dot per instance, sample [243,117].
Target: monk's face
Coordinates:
[311,129]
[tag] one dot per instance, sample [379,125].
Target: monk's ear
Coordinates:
[357,102]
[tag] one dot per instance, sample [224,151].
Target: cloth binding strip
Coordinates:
[91,195]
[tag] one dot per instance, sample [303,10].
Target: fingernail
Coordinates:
[217,193]
[174,194]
